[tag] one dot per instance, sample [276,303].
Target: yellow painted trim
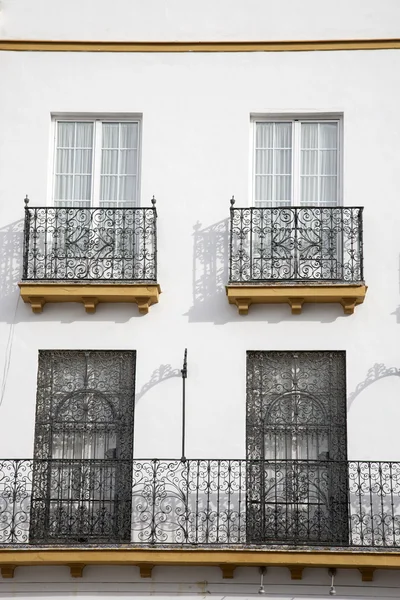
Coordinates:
[295,295]
[89,294]
[146,559]
[199,46]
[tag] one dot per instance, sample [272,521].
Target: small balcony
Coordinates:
[296,255]
[90,255]
[227,511]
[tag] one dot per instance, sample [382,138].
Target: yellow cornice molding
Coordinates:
[227,560]
[90,294]
[199,46]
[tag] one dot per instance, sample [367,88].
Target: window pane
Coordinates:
[328,135]
[309,190]
[73,161]
[64,187]
[109,162]
[282,188]
[127,186]
[309,162]
[319,158]
[263,189]
[66,135]
[264,135]
[82,187]
[83,161]
[119,159]
[273,163]
[128,162]
[110,135]
[109,188]
[309,135]
[65,161]
[328,190]
[283,135]
[283,162]
[129,135]
[264,162]
[328,160]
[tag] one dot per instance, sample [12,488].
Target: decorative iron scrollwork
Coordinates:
[296,445]
[200,502]
[296,244]
[99,244]
[84,443]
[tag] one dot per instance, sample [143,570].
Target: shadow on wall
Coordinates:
[162,373]
[11,243]
[210,276]
[375,373]
[14,311]
[397,311]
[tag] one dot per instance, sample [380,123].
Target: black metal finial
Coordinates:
[233,201]
[153,201]
[26,200]
[184,376]
[184,367]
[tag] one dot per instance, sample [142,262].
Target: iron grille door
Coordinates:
[296,448]
[82,479]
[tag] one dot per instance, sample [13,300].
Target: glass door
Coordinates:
[296,448]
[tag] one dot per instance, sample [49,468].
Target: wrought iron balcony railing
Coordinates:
[97,244]
[296,244]
[353,504]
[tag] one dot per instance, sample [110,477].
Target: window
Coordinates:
[96,163]
[82,480]
[296,447]
[296,162]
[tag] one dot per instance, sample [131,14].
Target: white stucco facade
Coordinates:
[196,110]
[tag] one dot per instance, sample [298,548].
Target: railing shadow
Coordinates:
[11,243]
[211,274]
[396,312]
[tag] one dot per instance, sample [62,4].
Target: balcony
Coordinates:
[296,255]
[201,511]
[90,255]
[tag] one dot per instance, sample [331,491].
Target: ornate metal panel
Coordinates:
[296,447]
[75,244]
[83,446]
[296,244]
[203,502]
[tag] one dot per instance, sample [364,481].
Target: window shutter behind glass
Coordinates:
[119,164]
[319,164]
[74,160]
[273,164]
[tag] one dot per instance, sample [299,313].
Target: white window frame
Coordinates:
[97,119]
[296,119]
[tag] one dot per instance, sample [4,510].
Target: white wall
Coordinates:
[109,583]
[196,114]
[199,19]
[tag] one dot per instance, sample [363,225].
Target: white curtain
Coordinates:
[273,164]
[119,164]
[73,168]
[319,164]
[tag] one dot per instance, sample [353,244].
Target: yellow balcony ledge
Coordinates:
[89,294]
[366,562]
[349,296]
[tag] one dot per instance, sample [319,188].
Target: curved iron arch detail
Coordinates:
[304,395]
[71,395]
